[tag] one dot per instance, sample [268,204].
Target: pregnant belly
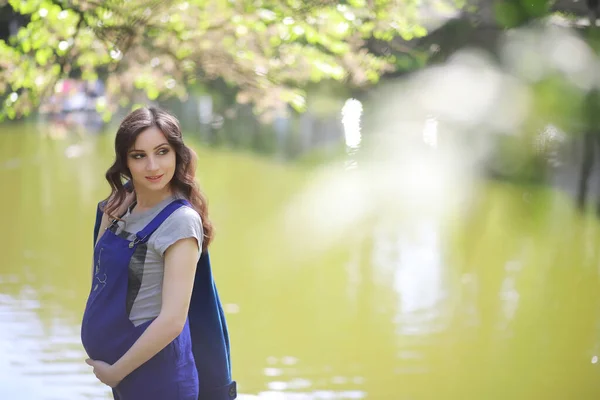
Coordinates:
[104,346]
[107,339]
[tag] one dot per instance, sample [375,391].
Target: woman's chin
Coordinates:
[153,187]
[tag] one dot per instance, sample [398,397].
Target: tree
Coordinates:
[267,49]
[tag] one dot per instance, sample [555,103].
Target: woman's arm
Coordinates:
[180,269]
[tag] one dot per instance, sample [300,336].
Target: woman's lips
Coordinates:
[154,178]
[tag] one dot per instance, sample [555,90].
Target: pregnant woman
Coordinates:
[153,325]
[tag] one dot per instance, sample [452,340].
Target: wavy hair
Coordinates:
[183,182]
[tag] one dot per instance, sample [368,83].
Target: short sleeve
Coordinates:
[183,223]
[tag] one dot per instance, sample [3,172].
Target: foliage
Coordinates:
[512,13]
[268,49]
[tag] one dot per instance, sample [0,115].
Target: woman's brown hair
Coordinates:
[183,182]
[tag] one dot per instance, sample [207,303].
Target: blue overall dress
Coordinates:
[107,333]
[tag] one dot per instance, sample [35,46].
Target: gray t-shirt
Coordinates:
[146,268]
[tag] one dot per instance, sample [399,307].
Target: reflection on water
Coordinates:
[39,361]
[502,293]
[418,279]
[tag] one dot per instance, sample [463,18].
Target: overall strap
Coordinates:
[143,235]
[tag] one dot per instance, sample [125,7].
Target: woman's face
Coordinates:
[151,161]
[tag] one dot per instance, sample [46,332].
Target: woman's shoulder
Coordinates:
[183,218]
[184,213]
[182,223]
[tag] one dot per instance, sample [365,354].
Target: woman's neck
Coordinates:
[148,200]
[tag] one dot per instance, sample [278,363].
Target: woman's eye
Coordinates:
[163,151]
[137,156]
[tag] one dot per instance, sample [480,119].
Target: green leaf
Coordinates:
[508,14]
[152,93]
[26,46]
[42,56]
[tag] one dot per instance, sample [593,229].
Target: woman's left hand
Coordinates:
[105,372]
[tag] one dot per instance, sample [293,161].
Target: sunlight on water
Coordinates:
[419,279]
[351,114]
[430,132]
[420,172]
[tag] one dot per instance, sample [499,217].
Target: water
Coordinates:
[496,298]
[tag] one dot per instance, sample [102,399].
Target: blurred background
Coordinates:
[405,192]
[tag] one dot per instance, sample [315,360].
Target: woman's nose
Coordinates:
[151,165]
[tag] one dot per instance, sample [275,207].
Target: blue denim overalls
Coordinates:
[208,329]
[107,332]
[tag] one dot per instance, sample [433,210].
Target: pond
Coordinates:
[338,283]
